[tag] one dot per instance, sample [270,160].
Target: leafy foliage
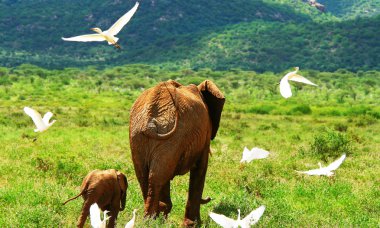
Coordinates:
[260,35]
[328,143]
[352,8]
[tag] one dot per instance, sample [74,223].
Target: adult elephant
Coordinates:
[171,126]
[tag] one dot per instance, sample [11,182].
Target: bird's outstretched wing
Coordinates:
[95,216]
[253,217]
[36,117]
[222,220]
[259,153]
[47,117]
[255,153]
[336,163]
[285,89]
[246,154]
[85,38]
[299,78]
[311,172]
[119,24]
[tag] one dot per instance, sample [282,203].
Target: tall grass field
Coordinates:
[91,106]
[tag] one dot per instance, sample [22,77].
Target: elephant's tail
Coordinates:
[204,201]
[151,130]
[81,193]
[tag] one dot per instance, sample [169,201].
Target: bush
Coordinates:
[328,143]
[374,114]
[263,109]
[5,80]
[365,120]
[301,109]
[340,127]
[358,110]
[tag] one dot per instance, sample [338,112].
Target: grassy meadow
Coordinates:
[92,105]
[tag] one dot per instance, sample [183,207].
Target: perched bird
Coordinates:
[249,220]
[326,171]
[293,76]
[108,35]
[42,124]
[96,222]
[131,223]
[255,153]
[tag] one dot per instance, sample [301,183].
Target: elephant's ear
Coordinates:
[122,180]
[214,99]
[123,183]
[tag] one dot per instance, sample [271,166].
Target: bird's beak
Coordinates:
[93,29]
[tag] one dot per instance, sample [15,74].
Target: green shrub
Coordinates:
[359,110]
[263,109]
[301,109]
[5,80]
[340,127]
[375,114]
[330,112]
[365,120]
[263,127]
[328,143]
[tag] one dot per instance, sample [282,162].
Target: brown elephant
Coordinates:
[107,188]
[171,126]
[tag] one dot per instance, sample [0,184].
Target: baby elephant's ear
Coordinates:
[214,100]
[123,183]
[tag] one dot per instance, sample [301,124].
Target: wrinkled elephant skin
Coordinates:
[171,126]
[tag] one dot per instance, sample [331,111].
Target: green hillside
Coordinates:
[276,46]
[352,8]
[219,34]
[39,25]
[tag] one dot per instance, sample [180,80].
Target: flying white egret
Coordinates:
[131,223]
[96,222]
[42,124]
[285,89]
[326,171]
[255,153]
[249,220]
[108,35]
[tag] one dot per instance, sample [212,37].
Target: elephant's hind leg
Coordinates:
[197,180]
[165,200]
[142,174]
[152,208]
[85,212]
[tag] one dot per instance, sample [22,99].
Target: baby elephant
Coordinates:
[107,188]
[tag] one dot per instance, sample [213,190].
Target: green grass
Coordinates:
[92,111]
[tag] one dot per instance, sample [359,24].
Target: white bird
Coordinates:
[326,171]
[42,124]
[108,35]
[96,222]
[249,220]
[285,89]
[131,223]
[255,153]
